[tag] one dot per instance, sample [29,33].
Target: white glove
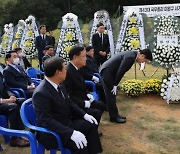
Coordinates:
[90,118]
[87,104]
[95,79]
[79,139]
[91,98]
[114,90]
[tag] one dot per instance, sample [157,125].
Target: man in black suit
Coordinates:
[75,84]
[112,72]
[10,106]
[100,43]
[15,75]
[91,66]
[49,52]
[41,41]
[52,38]
[55,111]
[89,69]
[24,63]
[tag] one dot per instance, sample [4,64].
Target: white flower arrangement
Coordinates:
[70,35]
[18,34]
[29,48]
[170,88]
[167,49]
[166,25]
[7,39]
[64,50]
[131,40]
[166,56]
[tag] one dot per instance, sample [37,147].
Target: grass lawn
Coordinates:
[152,127]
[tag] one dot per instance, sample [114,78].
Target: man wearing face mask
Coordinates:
[15,75]
[112,72]
[24,63]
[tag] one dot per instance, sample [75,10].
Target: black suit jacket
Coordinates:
[75,86]
[54,112]
[45,57]
[117,66]
[15,78]
[26,62]
[3,90]
[90,68]
[98,45]
[41,44]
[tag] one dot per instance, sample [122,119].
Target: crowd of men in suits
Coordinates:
[62,101]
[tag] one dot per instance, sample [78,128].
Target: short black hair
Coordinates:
[48,47]
[100,24]
[8,54]
[52,64]
[17,49]
[88,48]
[75,50]
[42,26]
[147,53]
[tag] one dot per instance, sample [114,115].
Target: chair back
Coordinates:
[31,72]
[28,114]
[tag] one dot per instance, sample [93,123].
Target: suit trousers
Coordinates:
[12,111]
[107,82]
[91,133]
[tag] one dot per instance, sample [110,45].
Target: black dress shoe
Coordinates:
[121,116]
[118,120]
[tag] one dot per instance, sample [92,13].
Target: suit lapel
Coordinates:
[56,94]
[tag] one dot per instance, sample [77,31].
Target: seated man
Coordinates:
[75,84]
[15,76]
[91,66]
[89,69]
[49,52]
[10,106]
[23,62]
[55,111]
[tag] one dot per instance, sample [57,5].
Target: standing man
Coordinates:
[56,111]
[52,38]
[100,43]
[112,72]
[41,41]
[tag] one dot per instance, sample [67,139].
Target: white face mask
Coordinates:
[16,61]
[21,55]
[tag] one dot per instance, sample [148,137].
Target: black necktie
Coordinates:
[60,91]
[43,37]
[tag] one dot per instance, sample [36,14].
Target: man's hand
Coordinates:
[79,139]
[87,104]
[91,98]
[95,79]
[114,90]
[101,53]
[90,118]
[12,99]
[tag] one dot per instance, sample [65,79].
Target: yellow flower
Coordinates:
[5,37]
[135,43]
[14,45]
[27,44]
[69,36]
[133,31]
[4,45]
[30,33]
[133,20]
[68,48]
[17,35]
